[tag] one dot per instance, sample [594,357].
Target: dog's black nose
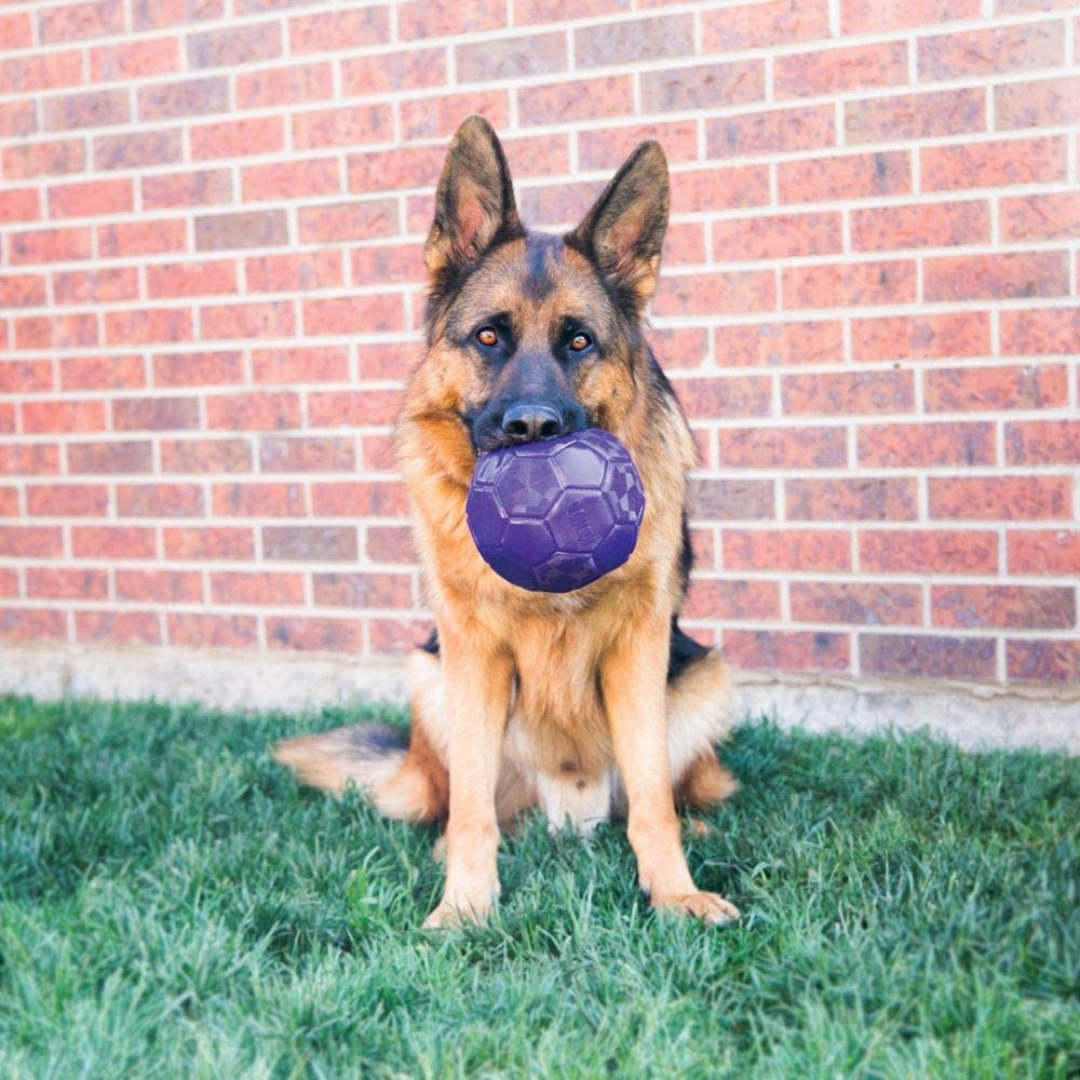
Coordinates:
[528,422]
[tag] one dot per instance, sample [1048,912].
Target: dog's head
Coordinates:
[533,336]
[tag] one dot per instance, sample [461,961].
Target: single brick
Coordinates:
[1044,551]
[831,285]
[264,588]
[995,163]
[313,454]
[137,151]
[863,498]
[25,376]
[113,542]
[258,500]
[390,544]
[154,14]
[24,624]
[320,543]
[237,138]
[147,325]
[155,414]
[285,86]
[510,58]
[633,41]
[35,73]
[1051,216]
[218,544]
[338,222]
[716,292]
[391,264]
[293,273]
[999,276]
[248,229]
[999,50]
[212,631]
[212,277]
[787,650]
[582,99]
[330,30]
[186,97]
[353,408]
[56,332]
[159,500]
[351,125]
[873,16]
[833,71]
[86,109]
[925,444]
[204,187]
[315,635]
[205,456]
[77,22]
[928,551]
[253,411]
[134,59]
[886,228]
[29,459]
[995,388]
[159,586]
[234,45]
[19,204]
[22,290]
[31,541]
[91,198]
[364,498]
[727,396]
[706,85]
[732,600]
[783,448]
[411,70]
[1043,103]
[820,550]
[198,368]
[24,161]
[126,456]
[921,337]
[49,245]
[66,500]
[915,116]
[151,236]
[1041,332]
[891,603]
[763,25]
[1004,607]
[998,498]
[778,237]
[118,628]
[733,500]
[96,286]
[290,180]
[927,656]
[1043,442]
[62,416]
[608,148]
[363,590]
[443,18]
[1054,662]
[328,363]
[778,131]
[719,187]
[271,319]
[62,584]
[353,315]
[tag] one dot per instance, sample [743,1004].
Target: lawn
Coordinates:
[173,905]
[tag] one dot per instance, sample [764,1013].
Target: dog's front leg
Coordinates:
[478,687]
[634,679]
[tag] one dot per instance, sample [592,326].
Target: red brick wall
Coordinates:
[211,215]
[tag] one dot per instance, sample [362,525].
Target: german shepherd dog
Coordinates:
[586,704]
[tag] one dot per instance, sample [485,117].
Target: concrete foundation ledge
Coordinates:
[975,717]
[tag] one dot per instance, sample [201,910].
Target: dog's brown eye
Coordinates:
[486,336]
[580,341]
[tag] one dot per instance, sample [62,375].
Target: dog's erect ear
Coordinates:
[474,202]
[624,232]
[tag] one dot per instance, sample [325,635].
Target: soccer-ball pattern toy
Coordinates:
[554,516]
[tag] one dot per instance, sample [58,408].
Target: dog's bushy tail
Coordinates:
[399,773]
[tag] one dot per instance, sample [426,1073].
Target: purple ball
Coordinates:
[554,516]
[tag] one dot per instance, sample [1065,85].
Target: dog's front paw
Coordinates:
[451,916]
[709,907]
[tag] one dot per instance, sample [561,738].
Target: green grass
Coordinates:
[173,905]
